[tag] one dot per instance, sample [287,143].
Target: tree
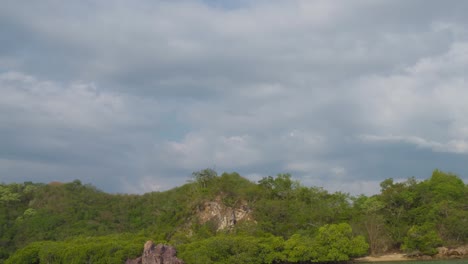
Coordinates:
[204,177]
[422,238]
[399,200]
[7,195]
[443,203]
[373,221]
[280,187]
[299,248]
[336,242]
[232,249]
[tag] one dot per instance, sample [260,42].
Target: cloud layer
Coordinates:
[133,97]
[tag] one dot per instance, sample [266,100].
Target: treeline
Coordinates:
[332,243]
[78,250]
[77,223]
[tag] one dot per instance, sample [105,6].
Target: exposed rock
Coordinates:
[156,254]
[444,252]
[223,216]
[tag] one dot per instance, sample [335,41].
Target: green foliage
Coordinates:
[29,254]
[76,223]
[422,238]
[7,195]
[107,249]
[284,207]
[440,201]
[299,248]
[444,186]
[232,249]
[398,200]
[332,243]
[336,243]
[204,177]
[368,218]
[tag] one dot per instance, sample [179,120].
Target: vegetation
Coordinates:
[77,223]
[107,249]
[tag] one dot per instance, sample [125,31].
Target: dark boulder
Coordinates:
[156,254]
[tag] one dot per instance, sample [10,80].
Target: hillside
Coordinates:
[228,219]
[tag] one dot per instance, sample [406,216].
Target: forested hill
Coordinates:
[228,219]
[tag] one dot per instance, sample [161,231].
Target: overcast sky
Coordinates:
[133,96]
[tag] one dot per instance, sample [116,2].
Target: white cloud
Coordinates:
[48,103]
[143,184]
[202,151]
[453,146]
[426,100]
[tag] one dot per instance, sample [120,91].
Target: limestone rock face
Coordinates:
[156,254]
[223,216]
[459,252]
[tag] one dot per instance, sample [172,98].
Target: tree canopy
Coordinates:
[75,222]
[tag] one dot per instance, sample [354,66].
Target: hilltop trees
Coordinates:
[414,215]
[204,177]
[285,206]
[290,222]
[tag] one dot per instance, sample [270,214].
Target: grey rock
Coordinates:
[156,254]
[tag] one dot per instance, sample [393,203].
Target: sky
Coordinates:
[134,96]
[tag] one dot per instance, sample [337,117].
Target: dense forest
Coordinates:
[284,221]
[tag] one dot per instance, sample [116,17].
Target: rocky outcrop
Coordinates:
[223,216]
[459,252]
[156,254]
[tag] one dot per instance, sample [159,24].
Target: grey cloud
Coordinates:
[114,45]
[69,130]
[138,95]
